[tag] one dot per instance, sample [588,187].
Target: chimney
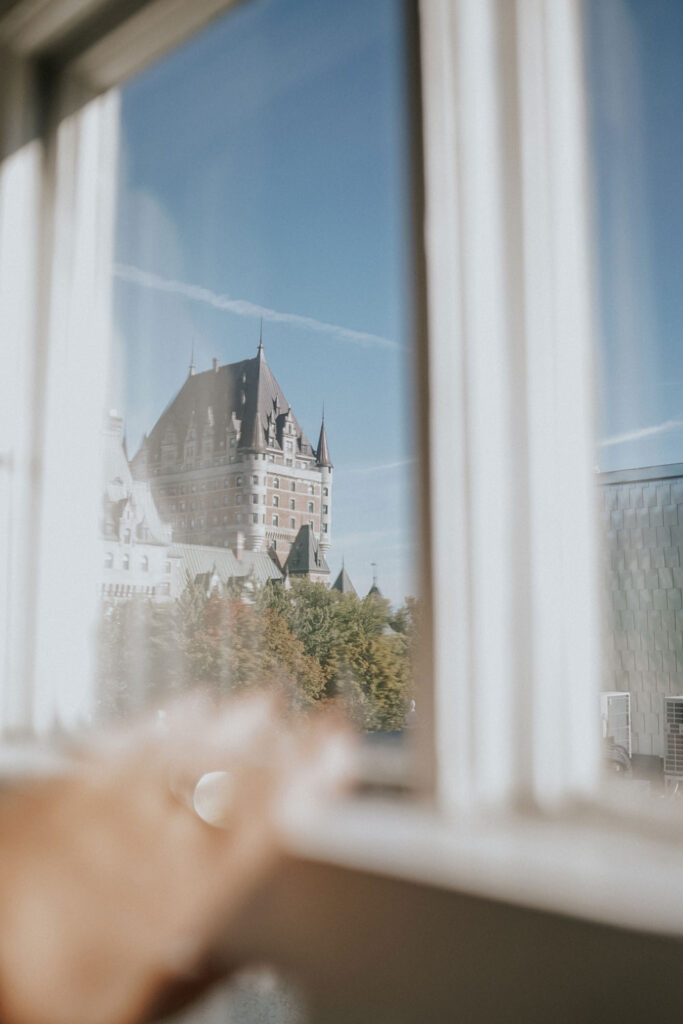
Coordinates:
[239,546]
[115,423]
[215,365]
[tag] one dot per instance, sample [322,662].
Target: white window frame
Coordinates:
[508,426]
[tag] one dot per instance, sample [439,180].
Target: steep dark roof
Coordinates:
[305,555]
[323,452]
[374,591]
[247,388]
[343,583]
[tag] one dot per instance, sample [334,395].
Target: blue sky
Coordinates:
[263,171]
[635,65]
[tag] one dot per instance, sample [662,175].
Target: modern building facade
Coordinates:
[642,516]
[228,463]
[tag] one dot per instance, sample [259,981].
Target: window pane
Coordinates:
[263,321]
[636,79]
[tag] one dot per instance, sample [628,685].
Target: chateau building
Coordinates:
[139,556]
[230,466]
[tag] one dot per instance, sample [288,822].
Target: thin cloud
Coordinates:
[381,468]
[241,307]
[667,427]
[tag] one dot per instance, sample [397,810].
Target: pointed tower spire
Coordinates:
[253,436]
[323,451]
[374,590]
[191,367]
[260,339]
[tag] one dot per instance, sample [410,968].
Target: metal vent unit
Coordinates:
[673,739]
[615,714]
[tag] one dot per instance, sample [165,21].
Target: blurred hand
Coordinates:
[113,888]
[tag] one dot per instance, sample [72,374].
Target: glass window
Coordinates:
[315,175]
[144,563]
[636,94]
[108,560]
[126,561]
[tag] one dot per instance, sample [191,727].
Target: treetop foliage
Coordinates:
[310,643]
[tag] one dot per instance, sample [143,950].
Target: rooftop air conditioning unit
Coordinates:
[673,740]
[615,714]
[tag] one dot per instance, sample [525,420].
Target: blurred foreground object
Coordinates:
[115,888]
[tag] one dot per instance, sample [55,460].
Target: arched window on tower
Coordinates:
[126,561]
[276,500]
[109,560]
[144,563]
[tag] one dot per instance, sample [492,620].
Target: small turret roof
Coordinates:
[323,452]
[343,583]
[305,554]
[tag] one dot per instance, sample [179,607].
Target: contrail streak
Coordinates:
[240,307]
[667,427]
[382,467]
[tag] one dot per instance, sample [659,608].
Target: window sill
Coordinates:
[604,865]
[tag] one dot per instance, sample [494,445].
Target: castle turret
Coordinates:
[324,461]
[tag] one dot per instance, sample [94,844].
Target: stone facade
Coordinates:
[642,516]
[228,459]
[135,542]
